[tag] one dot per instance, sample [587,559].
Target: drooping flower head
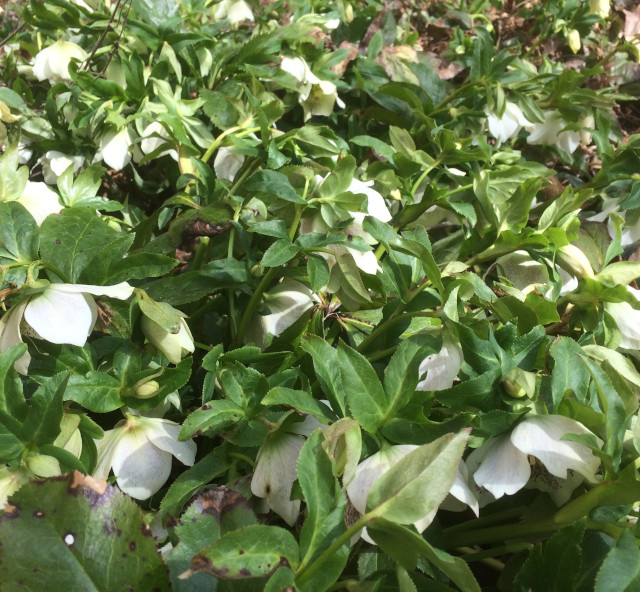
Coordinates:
[139,452]
[317,97]
[506,127]
[501,465]
[52,63]
[60,313]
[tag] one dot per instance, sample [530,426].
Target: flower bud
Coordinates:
[518,383]
[573,260]
[147,390]
[173,345]
[573,39]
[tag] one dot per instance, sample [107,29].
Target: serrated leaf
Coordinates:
[252,552]
[620,571]
[211,417]
[327,369]
[96,391]
[83,522]
[364,393]
[18,233]
[70,240]
[279,253]
[275,184]
[419,482]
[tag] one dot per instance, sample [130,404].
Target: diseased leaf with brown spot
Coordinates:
[57,534]
[216,511]
[253,552]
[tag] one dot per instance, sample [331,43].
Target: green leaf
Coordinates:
[204,471]
[318,271]
[419,482]
[252,552]
[211,418]
[379,146]
[279,253]
[620,571]
[619,272]
[567,376]
[216,511]
[70,240]
[327,369]
[42,424]
[275,184]
[96,391]
[415,248]
[402,375]
[553,567]
[365,395]
[613,407]
[301,401]
[83,523]
[18,234]
[325,511]
[620,363]
[401,537]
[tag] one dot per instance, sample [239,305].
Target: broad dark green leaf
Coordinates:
[279,253]
[19,234]
[568,375]
[57,534]
[211,418]
[70,240]
[42,424]
[96,391]
[620,571]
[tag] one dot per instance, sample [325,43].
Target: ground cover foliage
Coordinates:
[319,295]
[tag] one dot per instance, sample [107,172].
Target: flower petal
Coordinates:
[10,334]
[276,470]
[121,291]
[541,436]
[163,434]
[441,368]
[140,468]
[503,468]
[61,317]
[39,200]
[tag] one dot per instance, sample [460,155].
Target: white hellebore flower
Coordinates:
[442,368]
[629,234]
[140,453]
[506,127]
[374,467]
[276,468]
[628,320]
[12,479]
[550,133]
[173,345]
[61,313]
[376,207]
[55,163]
[52,63]
[503,466]
[114,149]
[287,302]
[317,97]
[235,11]
[40,200]
[227,164]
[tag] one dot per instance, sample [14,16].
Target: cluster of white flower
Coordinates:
[551,132]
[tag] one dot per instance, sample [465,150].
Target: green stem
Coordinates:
[243,457]
[454,95]
[306,570]
[216,143]
[423,176]
[485,521]
[253,303]
[203,346]
[200,255]
[469,554]
[63,276]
